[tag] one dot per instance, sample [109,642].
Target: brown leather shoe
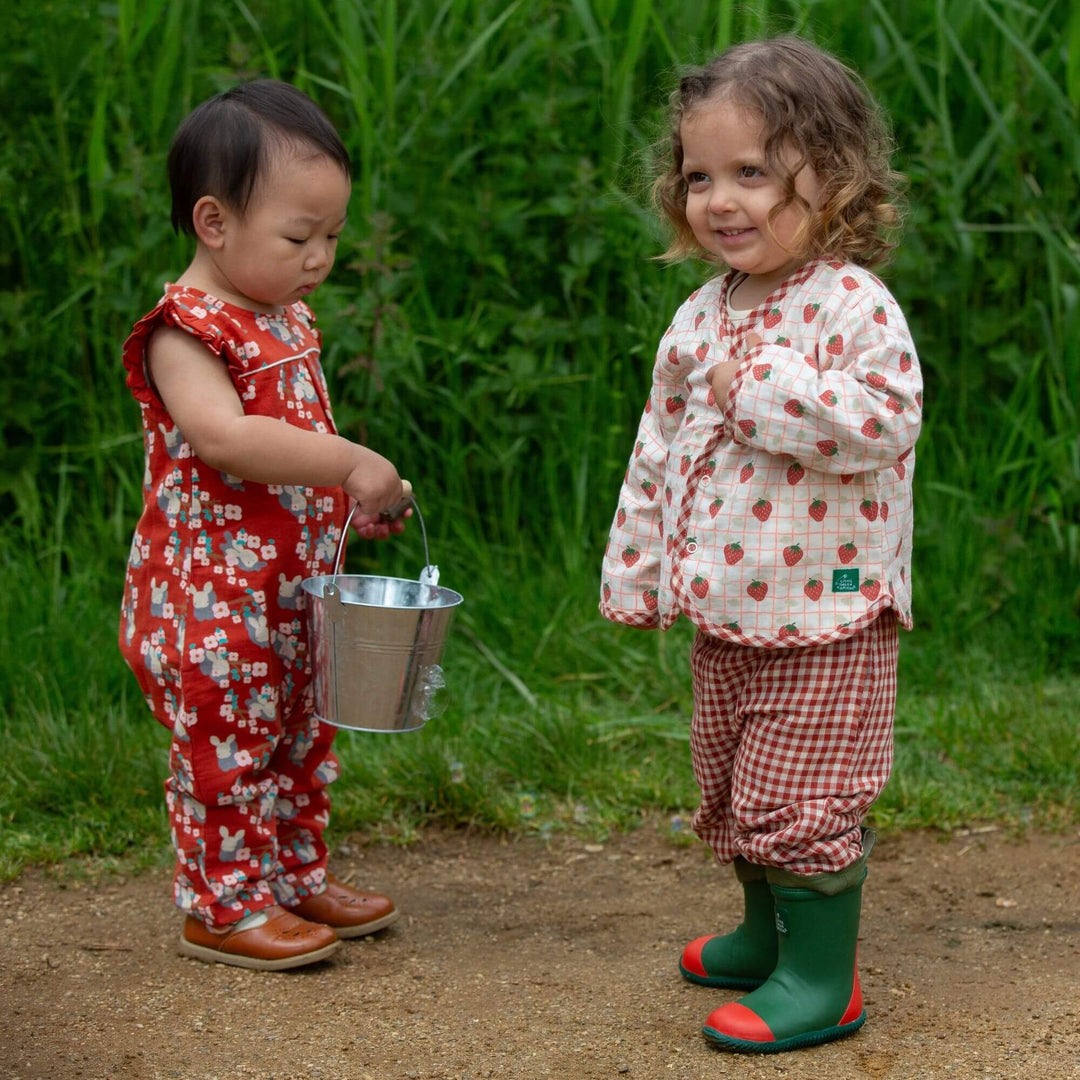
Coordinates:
[350,912]
[283,941]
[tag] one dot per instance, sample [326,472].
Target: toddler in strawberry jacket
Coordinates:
[768,499]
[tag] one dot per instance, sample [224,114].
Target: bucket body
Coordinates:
[376,645]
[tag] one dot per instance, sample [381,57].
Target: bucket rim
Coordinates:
[315,586]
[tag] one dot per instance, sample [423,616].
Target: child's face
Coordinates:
[730,192]
[283,246]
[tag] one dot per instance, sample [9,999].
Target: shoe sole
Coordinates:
[724,982]
[795,1042]
[216,956]
[368,927]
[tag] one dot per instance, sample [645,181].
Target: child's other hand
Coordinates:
[720,376]
[752,341]
[373,527]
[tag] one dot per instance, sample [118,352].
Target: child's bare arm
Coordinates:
[204,405]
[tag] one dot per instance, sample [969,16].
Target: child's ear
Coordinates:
[209,216]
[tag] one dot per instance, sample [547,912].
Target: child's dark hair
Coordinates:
[223,146]
[810,103]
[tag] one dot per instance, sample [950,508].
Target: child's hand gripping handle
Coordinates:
[394,512]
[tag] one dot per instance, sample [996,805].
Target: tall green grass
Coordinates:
[490,326]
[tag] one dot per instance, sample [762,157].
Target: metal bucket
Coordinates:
[376,645]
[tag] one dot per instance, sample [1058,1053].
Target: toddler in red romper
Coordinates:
[246,489]
[768,499]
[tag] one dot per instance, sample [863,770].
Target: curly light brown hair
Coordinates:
[810,105]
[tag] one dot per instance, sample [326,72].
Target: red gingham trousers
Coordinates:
[792,746]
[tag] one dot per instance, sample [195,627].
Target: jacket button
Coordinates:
[691,548]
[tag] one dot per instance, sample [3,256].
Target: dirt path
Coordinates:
[516,959]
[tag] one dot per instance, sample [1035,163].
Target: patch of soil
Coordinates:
[524,959]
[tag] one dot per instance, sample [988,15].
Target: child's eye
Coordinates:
[696,178]
[293,240]
[749,172]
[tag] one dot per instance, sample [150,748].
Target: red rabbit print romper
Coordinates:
[213,620]
[779,521]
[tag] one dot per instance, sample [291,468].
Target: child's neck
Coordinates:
[749,291]
[203,274]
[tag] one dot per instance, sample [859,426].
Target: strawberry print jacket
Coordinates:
[783,515]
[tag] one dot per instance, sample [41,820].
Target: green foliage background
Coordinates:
[490,326]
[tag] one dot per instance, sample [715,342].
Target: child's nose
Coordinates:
[319,255]
[721,198]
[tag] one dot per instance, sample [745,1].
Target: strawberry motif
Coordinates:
[648,406]
[699,587]
[620,517]
[872,429]
[789,630]
[684,464]
[792,554]
[748,428]
[812,361]
[710,468]
[795,473]
[876,380]
[670,544]
[884,511]
[894,404]
[757,590]
[849,282]
[836,265]
[870,589]
[746,472]
[794,407]
[847,552]
[638,447]
[630,555]
[900,469]
[714,507]
[828,398]
[648,487]
[918,398]
[818,509]
[879,316]
[810,312]
[607,591]
[733,552]
[835,345]
[710,397]
[733,627]
[904,454]
[689,547]
[761,371]
[673,356]
[869,509]
[772,317]
[905,361]
[667,493]
[846,478]
[650,596]
[762,509]
[702,351]
[781,340]
[813,589]
[675,403]
[699,318]
[828,447]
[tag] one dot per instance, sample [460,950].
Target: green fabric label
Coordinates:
[781,921]
[845,580]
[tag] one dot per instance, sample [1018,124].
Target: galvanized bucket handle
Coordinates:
[409,500]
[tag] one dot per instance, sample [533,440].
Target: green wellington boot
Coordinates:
[813,995]
[745,958]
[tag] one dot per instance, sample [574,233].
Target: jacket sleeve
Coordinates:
[854,407]
[634,554]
